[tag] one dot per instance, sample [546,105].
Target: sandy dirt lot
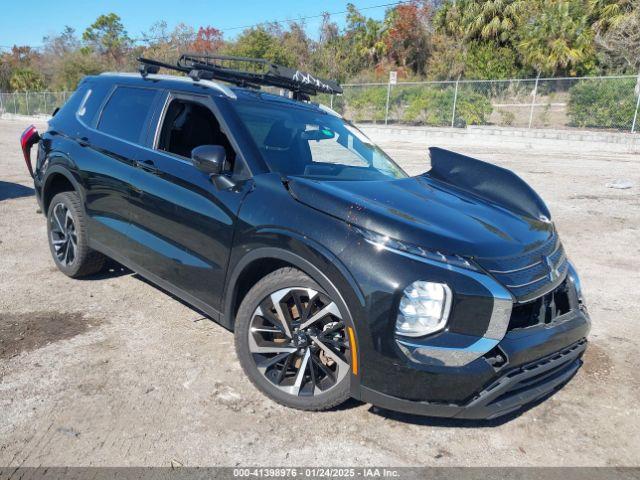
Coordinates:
[112,371]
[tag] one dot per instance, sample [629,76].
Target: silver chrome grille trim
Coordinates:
[535,264]
[558,265]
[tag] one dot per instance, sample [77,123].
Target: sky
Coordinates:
[46,17]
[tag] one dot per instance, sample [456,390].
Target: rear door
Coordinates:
[112,146]
[185,223]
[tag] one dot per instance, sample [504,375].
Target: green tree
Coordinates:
[484,60]
[609,13]
[477,39]
[26,80]
[108,37]
[609,104]
[73,67]
[477,60]
[365,36]
[559,39]
[331,56]
[56,50]
[495,20]
[298,44]
[259,42]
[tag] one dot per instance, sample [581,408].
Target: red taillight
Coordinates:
[27,140]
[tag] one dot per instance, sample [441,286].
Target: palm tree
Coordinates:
[495,19]
[559,38]
[609,13]
[481,20]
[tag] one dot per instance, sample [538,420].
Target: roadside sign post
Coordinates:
[393,80]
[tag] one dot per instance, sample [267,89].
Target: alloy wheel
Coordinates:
[63,234]
[298,341]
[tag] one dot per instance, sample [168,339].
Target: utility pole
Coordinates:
[533,101]
[455,103]
[635,115]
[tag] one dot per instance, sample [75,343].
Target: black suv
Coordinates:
[445,294]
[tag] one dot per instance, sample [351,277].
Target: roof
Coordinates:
[220,89]
[177,81]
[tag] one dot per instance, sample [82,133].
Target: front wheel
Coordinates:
[291,342]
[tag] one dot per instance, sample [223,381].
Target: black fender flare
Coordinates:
[320,277]
[60,169]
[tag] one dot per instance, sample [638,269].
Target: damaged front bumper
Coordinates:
[522,379]
[508,393]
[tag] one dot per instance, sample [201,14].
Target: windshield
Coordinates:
[306,142]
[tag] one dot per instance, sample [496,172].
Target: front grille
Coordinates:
[530,275]
[542,310]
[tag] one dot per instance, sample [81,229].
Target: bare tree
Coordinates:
[622,41]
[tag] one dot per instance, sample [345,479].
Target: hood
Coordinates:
[427,212]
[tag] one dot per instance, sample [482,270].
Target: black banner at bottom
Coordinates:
[434,473]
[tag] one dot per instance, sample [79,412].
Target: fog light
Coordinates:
[424,309]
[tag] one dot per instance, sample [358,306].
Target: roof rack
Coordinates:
[245,72]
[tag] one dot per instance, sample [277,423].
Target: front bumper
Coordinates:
[496,355]
[509,392]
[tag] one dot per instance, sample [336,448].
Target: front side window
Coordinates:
[301,141]
[126,113]
[188,125]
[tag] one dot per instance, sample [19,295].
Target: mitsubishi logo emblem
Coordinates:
[553,271]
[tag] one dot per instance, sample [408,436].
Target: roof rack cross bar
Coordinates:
[245,72]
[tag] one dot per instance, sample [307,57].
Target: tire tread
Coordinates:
[89,261]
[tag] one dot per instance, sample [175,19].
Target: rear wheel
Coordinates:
[291,342]
[68,237]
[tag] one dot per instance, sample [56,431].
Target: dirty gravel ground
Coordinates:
[111,371]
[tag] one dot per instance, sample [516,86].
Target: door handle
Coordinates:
[148,166]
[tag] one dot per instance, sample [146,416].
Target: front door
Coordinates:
[185,224]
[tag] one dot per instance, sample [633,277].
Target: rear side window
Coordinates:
[126,113]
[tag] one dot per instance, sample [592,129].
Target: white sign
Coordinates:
[393,77]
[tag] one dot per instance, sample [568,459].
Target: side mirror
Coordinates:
[209,159]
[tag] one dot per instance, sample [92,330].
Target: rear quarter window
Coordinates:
[126,113]
[92,97]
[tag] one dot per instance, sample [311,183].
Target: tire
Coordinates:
[69,239]
[325,377]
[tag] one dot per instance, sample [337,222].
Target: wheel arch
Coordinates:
[58,180]
[261,261]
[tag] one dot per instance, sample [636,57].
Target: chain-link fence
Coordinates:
[609,103]
[587,103]
[31,103]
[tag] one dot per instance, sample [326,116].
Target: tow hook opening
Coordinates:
[496,358]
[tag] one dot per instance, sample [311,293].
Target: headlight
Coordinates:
[424,309]
[383,241]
